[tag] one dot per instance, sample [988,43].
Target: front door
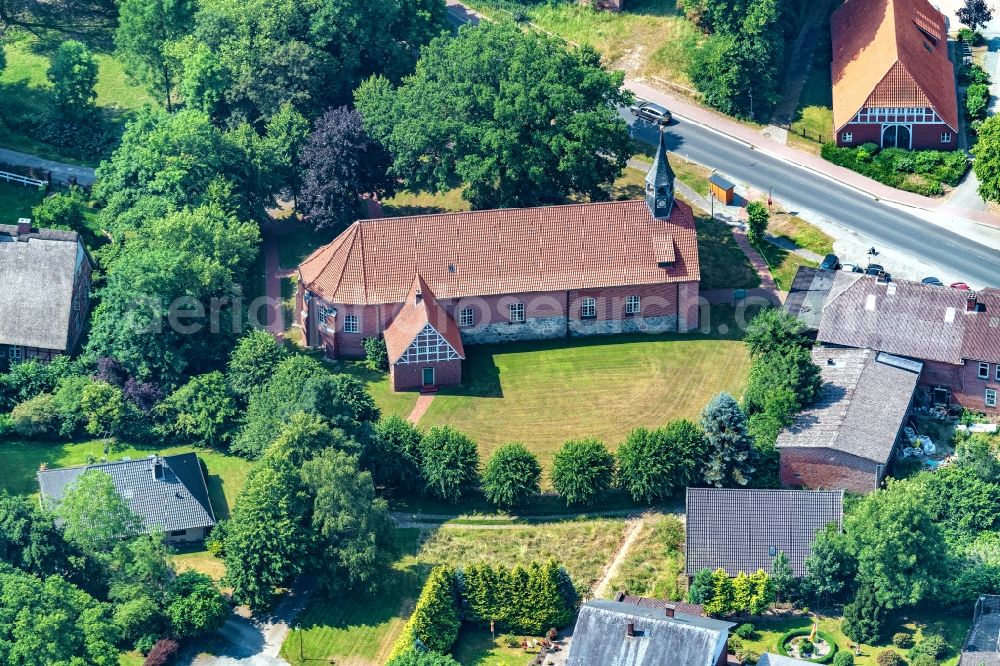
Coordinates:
[896,136]
[428,379]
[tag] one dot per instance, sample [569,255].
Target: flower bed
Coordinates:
[824,647]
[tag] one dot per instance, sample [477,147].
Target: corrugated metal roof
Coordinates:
[743,530]
[178,500]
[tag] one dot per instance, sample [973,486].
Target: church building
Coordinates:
[431,285]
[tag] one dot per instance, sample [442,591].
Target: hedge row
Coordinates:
[522,600]
[435,620]
[894,166]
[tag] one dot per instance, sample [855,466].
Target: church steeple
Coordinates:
[660,183]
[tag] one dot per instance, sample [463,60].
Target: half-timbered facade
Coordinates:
[45,299]
[432,284]
[893,82]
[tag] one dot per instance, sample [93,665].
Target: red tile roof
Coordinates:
[420,309]
[891,53]
[508,251]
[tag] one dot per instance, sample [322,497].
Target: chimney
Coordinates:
[157,469]
[23,229]
[971,302]
[630,629]
[670,609]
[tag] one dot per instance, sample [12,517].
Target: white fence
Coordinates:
[18,178]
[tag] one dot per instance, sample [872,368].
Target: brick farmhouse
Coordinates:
[954,334]
[46,277]
[893,83]
[432,284]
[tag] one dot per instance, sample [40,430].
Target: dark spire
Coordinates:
[660,183]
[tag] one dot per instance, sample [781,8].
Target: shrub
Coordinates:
[144,644]
[60,211]
[509,640]
[977,101]
[923,660]
[582,471]
[162,653]
[864,618]
[36,418]
[449,463]
[902,640]
[890,658]
[806,647]
[435,621]
[843,659]
[933,646]
[376,355]
[805,631]
[745,630]
[511,476]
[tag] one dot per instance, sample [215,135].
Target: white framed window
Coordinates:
[991,397]
[467,317]
[945,137]
[847,137]
[998,372]
[14,354]
[517,313]
[588,308]
[984,370]
[633,305]
[351,324]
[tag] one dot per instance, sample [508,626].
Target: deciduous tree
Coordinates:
[394,455]
[449,463]
[987,162]
[146,30]
[200,412]
[653,464]
[757,219]
[254,361]
[513,114]
[975,14]
[511,476]
[582,471]
[73,74]
[94,516]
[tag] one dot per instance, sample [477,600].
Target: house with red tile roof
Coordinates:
[893,83]
[432,284]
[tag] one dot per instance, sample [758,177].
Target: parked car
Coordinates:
[875,269]
[651,112]
[852,268]
[933,281]
[831,262]
[961,286]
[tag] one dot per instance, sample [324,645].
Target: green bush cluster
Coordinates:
[890,658]
[970,36]
[746,593]
[977,101]
[525,600]
[972,73]
[902,640]
[829,657]
[376,355]
[895,166]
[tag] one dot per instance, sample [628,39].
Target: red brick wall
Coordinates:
[408,376]
[971,393]
[656,301]
[827,469]
[924,137]
[688,306]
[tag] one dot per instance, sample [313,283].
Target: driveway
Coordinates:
[249,641]
[61,173]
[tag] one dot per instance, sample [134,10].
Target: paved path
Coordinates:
[61,172]
[256,641]
[420,408]
[600,587]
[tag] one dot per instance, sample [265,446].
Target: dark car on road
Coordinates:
[875,269]
[651,112]
[831,262]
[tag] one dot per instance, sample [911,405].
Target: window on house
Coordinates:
[998,372]
[984,370]
[351,324]
[633,305]
[467,317]
[945,137]
[517,313]
[178,532]
[991,397]
[14,354]
[588,309]
[847,137]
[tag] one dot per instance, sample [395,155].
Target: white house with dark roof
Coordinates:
[612,633]
[743,530]
[45,297]
[168,493]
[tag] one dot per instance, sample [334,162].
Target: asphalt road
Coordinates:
[800,189]
[61,173]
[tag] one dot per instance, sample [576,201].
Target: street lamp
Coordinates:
[751,102]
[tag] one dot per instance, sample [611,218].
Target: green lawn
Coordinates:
[477,647]
[361,630]
[953,629]
[389,401]
[17,201]
[784,264]
[649,38]
[800,232]
[655,562]
[21,460]
[543,393]
[25,90]
[723,264]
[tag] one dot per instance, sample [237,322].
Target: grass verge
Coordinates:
[654,564]
[784,264]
